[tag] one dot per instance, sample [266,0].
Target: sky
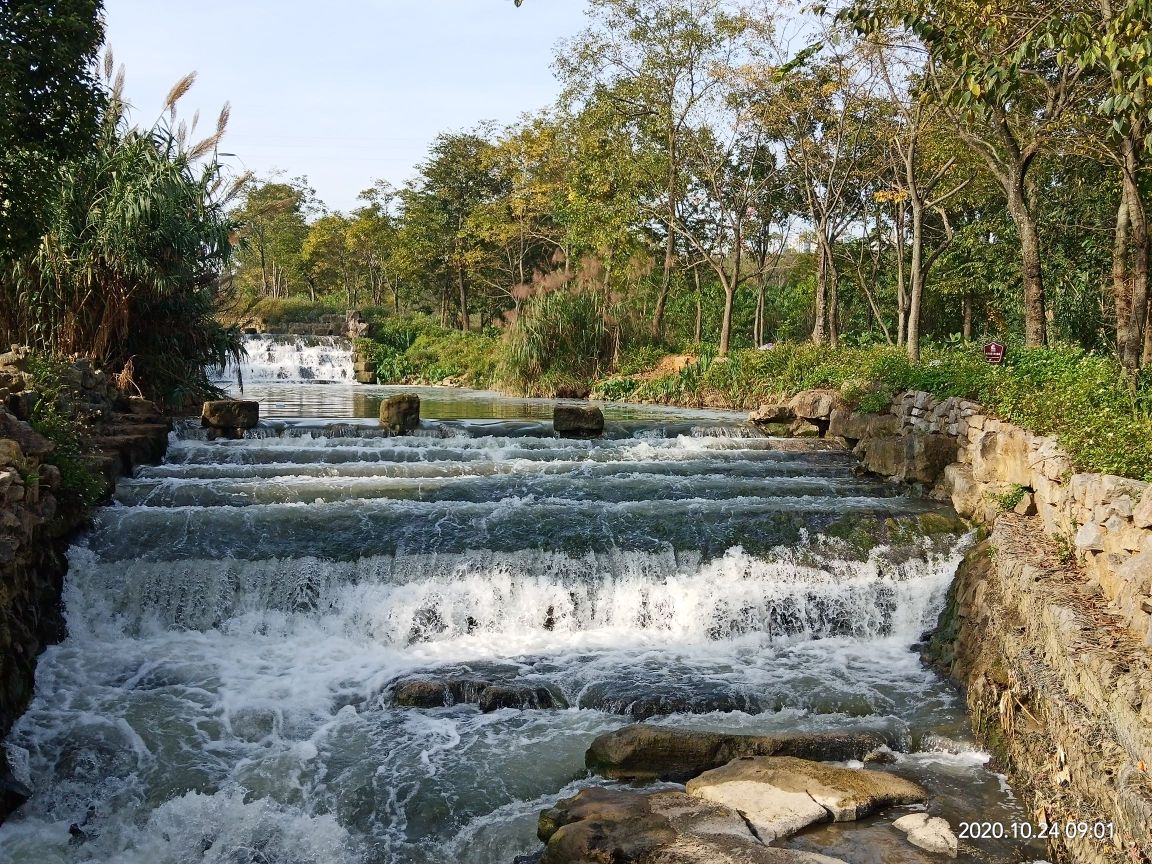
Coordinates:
[343,91]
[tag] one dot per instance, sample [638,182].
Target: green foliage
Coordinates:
[559,340]
[56,419]
[128,271]
[50,102]
[1101,415]
[617,389]
[417,350]
[277,312]
[1008,500]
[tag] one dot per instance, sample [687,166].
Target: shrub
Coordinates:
[55,418]
[559,339]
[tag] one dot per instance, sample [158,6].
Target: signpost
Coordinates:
[994,353]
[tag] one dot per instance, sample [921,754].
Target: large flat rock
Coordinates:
[668,827]
[782,795]
[646,752]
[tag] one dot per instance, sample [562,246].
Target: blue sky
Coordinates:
[344,91]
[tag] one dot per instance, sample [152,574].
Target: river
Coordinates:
[239,616]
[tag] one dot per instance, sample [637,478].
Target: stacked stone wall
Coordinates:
[1048,627]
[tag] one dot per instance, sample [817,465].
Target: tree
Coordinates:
[653,59]
[832,130]
[1111,41]
[51,101]
[273,220]
[996,70]
[372,236]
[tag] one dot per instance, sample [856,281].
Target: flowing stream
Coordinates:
[239,617]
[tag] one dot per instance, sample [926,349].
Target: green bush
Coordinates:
[417,350]
[56,419]
[559,340]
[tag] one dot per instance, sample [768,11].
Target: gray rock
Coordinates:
[400,414]
[230,414]
[929,832]
[645,752]
[442,692]
[814,404]
[578,421]
[773,412]
[782,795]
[624,827]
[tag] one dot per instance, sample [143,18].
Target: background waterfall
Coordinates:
[289,359]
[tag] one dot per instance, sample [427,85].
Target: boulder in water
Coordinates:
[930,833]
[772,413]
[442,692]
[666,827]
[230,414]
[645,752]
[436,693]
[578,421]
[400,414]
[641,702]
[519,696]
[814,405]
[13,792]
[782,795]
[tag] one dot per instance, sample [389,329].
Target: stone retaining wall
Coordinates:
[35,528]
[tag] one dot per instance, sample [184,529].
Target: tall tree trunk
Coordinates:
[1121,282]
[967,312]
[758,334]
[698,333]
[462,284]
[726,321]
[901,294]
[833,279]
[670,242]
[821,291]
[1138,239]
[1032,274]
[916,277]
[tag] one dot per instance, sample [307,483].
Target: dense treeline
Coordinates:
[715,172]
[902,172]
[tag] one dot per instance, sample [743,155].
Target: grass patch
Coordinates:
[1100,415]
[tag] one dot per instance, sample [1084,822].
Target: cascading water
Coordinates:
[286,359]
[239,618]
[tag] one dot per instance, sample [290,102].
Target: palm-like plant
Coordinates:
[133,261]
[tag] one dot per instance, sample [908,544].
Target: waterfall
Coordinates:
[240,617]
[288,359]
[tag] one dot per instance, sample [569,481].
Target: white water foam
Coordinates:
[292,359]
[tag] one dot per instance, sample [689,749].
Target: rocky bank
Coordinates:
[1048,626]
[36,523]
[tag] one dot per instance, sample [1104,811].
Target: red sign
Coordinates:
[994,353]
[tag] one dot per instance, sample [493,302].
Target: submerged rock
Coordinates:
[781,795]
[667,827]
[444,692]
[13,792]
[230,414]
[930,833]
[400,414]
[644,752]
[578,421]
[641,702]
